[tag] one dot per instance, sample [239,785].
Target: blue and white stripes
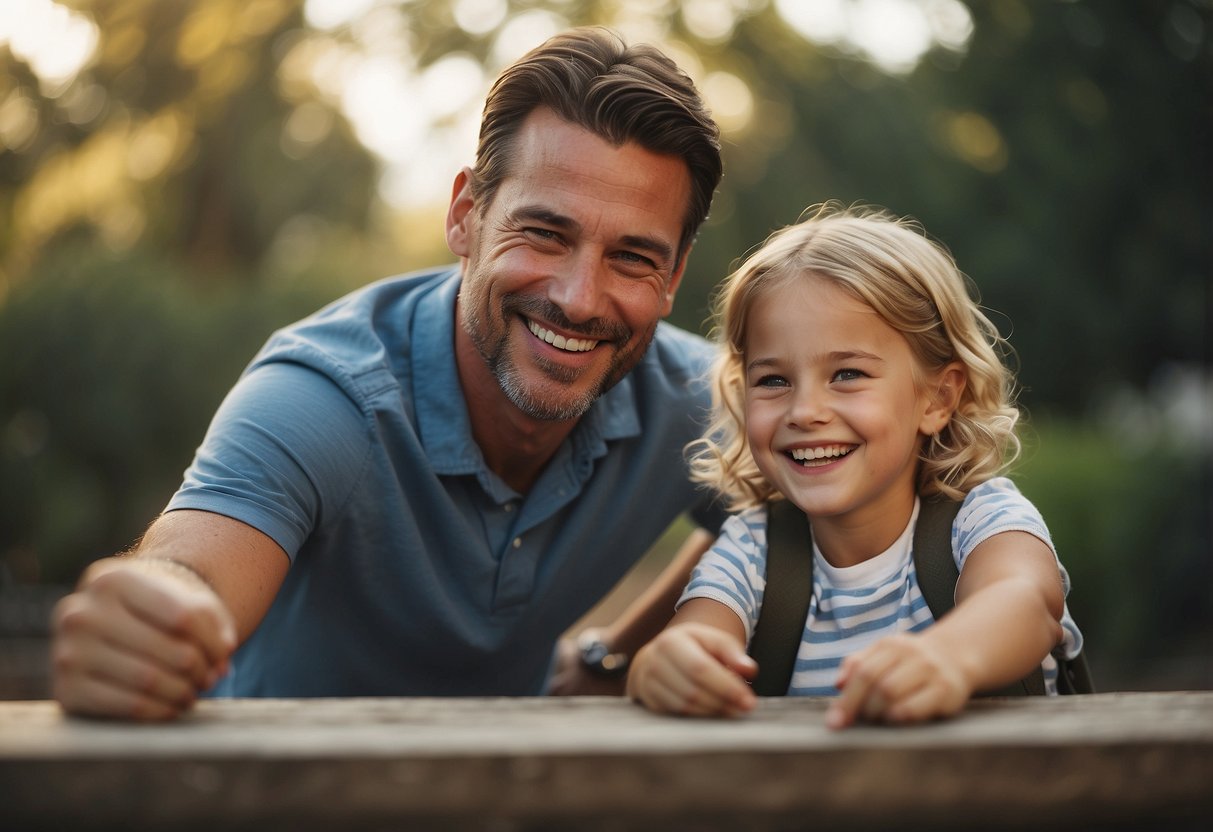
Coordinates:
[855,606]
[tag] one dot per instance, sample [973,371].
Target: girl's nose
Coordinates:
[808,407]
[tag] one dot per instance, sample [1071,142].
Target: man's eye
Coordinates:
[635,264]
[633,257]
[542,233]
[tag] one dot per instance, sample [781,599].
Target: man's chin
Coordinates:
[545,409]
[547,402]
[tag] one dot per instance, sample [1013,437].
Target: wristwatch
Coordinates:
[598,659]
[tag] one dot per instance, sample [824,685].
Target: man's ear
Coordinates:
[944,391]
[460,215]
[671,288]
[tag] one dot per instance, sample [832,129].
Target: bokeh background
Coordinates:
[180,177]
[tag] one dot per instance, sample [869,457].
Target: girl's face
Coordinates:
[834,418]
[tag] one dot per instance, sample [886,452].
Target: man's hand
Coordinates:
[571,678]
[139,639]
[693,669]
[901,678]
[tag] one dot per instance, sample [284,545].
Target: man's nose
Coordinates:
[580,288]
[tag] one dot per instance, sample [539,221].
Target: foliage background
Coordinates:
[204,178]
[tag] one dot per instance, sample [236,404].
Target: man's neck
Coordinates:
[515,446]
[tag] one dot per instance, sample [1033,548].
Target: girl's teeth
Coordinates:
[823,452]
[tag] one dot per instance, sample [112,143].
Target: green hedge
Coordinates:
[111,372]
[1130,519]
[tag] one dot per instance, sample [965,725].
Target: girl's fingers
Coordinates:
[688,670]
[859,677]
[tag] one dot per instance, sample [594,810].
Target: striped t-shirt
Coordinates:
[854,606]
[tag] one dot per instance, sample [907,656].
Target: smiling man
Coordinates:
[416,490]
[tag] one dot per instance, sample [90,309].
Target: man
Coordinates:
[418,489]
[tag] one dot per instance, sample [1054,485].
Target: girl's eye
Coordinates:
[771,381]
[848,374]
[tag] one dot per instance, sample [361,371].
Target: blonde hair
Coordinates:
[913,284]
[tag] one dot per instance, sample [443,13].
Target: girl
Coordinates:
[857,375]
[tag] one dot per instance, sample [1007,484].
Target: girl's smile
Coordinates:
[819,456]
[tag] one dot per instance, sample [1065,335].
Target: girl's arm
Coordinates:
[697,666]
[1009,602]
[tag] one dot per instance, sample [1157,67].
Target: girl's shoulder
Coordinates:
[995,496]
[746,529]
[994,506]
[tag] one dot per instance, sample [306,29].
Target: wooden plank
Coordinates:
[601,763]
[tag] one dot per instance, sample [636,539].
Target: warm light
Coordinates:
[729,99]
[711,21]
[479,17]
[892,34]
[53,40]
[330,14]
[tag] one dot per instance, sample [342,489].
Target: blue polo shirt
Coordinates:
[415,570]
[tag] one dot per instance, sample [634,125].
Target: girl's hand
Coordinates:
[901,678]
[693,669]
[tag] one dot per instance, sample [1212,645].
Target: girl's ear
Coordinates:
[944,392]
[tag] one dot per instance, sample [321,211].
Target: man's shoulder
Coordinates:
[366,302]
[361,331]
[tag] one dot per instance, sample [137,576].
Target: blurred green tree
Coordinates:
[181,136]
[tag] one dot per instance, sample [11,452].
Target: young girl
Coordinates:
[857,375]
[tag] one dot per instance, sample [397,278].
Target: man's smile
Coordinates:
[559,341]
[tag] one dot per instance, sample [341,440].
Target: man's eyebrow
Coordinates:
[536,213]
[544,215]
[662,250]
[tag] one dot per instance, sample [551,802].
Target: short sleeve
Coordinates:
[994,507]
[733,571]
[285,448]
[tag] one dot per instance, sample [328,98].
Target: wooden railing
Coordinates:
[1121,760]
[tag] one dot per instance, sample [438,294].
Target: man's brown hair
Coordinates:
[622,93]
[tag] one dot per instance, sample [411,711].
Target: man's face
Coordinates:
[570,267]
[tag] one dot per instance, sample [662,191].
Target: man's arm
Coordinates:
[643,619]
[147,631]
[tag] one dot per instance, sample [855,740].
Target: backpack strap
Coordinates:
[935,566]
[785,600]
[789,590]
[937,576]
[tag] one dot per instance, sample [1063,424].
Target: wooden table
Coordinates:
[1127,760]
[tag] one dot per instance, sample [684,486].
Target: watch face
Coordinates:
[598,659]
[594,653]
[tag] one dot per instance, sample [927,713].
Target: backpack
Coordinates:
[789,588]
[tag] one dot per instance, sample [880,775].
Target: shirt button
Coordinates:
[509,507]
[517,542]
